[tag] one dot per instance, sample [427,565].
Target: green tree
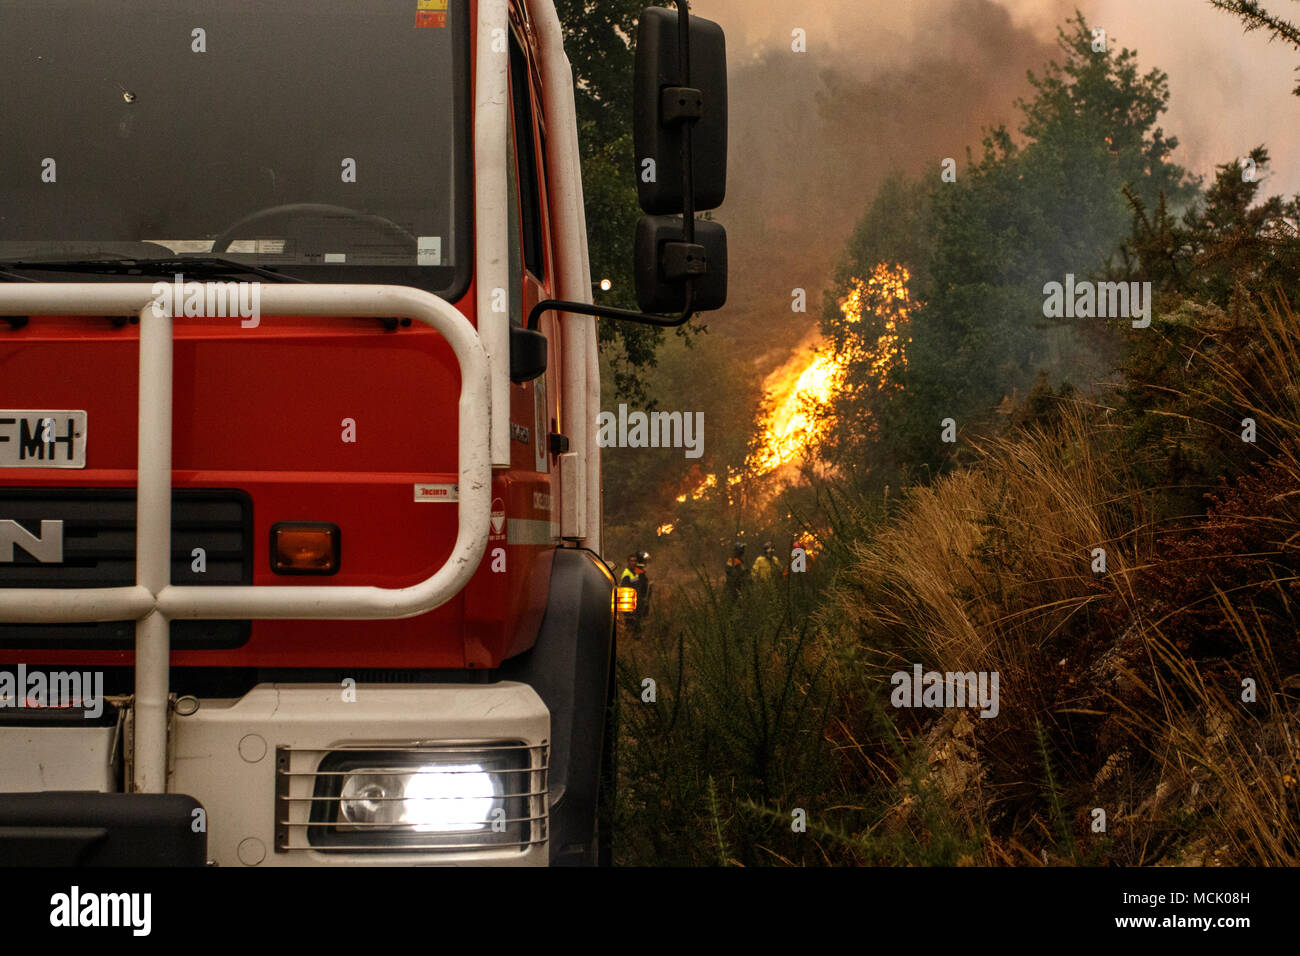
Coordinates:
[1228,242]
[1029,210]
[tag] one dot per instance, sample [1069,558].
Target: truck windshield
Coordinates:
[326,140]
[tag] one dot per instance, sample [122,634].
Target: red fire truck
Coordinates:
[300,497]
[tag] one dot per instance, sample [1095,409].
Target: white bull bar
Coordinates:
[154,601]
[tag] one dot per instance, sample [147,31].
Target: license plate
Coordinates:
[44,438]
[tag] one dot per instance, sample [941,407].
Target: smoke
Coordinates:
[886,88]
[1229,92]
[880,89]
[867,28]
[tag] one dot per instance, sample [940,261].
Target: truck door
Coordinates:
[529,254]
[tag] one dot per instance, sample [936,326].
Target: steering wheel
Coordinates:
[345,229]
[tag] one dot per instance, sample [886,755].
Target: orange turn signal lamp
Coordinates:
[626,600]
[304,547]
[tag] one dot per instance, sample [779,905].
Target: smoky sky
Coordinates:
[1229,90]
[890,87]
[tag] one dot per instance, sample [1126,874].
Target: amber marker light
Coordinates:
[626,600]
[304,547]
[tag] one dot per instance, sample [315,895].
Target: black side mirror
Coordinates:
[664,262]
[680,136]
[680,133]
[669,106]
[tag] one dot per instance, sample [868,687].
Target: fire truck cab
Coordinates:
[300,498]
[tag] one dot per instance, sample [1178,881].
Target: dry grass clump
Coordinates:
[1121,690]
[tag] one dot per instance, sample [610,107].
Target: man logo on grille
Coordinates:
[46,548]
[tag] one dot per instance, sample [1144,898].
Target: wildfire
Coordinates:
[887,295]
[664,529]
[800,389]
[792,423]
[710,481]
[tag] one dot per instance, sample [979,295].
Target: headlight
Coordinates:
[437,798]
[454,798]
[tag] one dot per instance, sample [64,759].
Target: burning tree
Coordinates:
[855,365]
[861,366]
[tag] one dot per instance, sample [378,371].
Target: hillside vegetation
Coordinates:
[1115,532]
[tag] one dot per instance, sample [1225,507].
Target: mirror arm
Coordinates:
[608,312]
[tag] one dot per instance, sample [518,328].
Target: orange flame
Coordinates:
[802,388]
[791,424]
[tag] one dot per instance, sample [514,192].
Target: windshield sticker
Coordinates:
[260,247]
[430,13]
[428,251]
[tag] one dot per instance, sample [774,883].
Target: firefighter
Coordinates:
[634,577]
[628,578]
[642,585]
[737,573]
[766,565]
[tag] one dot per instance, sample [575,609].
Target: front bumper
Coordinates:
[252,765]
[74,828]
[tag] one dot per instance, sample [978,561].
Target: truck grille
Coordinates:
[99,552]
